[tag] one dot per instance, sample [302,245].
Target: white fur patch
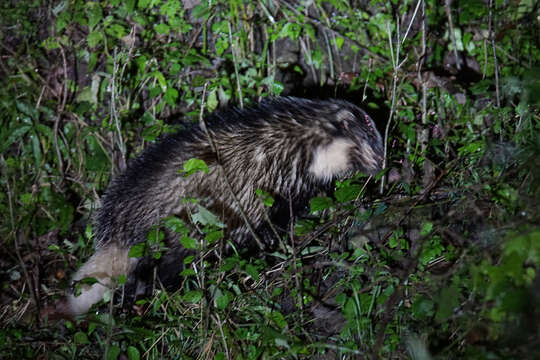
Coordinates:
[331,160]
[107,263]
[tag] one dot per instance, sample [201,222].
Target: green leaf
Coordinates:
[292,30]
[348,193]
[427,227]
[188,242]
[422,307]
[143,4]
[133,353]
[27,109]
[222,301]
[267,199]
[193,165]
[339,42]
[476,147]
[114,352]
[160,79]
[155,235]
[320,203]
[252,271]
[278,319]
[96,159]
[14,136]
[138,250]
[130,5]
[193,296]
[94,38]
[162,29]
[277,88]
[171,95]
[177,225]
[201,11]
[80,338]
[229,263]
[116,30]
[205,217]
[447,301]
[188,272]
[303,226]
[212,100]
[94,14]
[170,8]
[213,236]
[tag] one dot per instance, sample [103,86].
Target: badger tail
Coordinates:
[105,266]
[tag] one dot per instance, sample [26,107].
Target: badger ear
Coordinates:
[344,117]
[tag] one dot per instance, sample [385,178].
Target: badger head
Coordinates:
[353,144]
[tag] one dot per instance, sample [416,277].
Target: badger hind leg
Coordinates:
[105,266]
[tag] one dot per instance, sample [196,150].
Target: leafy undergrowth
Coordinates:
[442,263]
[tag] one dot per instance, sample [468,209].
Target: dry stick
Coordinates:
[327,40]
[217,320]
[370,65]
[412,19]
[109,328]
[496,68]
[224,174]
[424,134]
[147,352]
[330,58]
[295,265]
[132,35]
[27,278]
[114,115]
[395,60]
[307,53]
[60,111]
[447,8]
[200,275]
[397,66]
[235,62]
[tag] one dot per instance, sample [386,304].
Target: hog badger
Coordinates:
[291,148]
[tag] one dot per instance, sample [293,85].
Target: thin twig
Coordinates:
[27,277]
[132,37]
[395,63]
[370,65]
[224,174]
[61,109]
[217,320]
[109,335]
[448,9]
[412,20]
[495,65]
[424,133]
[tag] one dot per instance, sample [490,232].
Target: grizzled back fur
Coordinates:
[291,148]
